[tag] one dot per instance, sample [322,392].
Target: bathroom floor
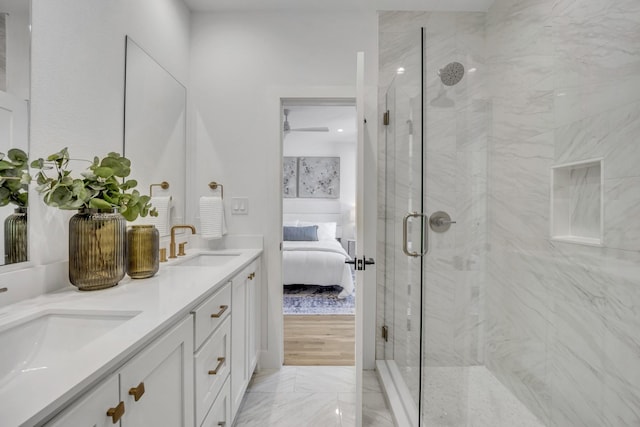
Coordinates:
[309,396]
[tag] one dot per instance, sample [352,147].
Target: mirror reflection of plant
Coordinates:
[102,185]
[14,178]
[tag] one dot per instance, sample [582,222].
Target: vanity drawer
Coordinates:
[211,313]
[212,363]
[220,414]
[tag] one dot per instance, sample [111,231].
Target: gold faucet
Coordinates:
[172,244]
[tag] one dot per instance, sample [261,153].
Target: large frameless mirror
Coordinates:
[15,43]
[155,134]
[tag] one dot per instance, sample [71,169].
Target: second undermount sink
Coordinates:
[45,339]
[207,260]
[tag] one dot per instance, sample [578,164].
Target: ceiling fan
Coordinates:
[287,127]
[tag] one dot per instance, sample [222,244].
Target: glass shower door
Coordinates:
[434,169]
[404,229]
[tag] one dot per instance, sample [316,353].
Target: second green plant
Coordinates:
[101,186]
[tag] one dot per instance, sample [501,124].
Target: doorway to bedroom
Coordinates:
[318,205]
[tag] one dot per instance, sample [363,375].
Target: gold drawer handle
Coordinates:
[137,392]
[220,363]
[223,308]
[222,423]
[116,413]
[251,276]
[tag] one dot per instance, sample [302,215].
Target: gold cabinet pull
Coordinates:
[220,363]
[251,276]
[222,423]
[116,413]
[223,308]
[137,392]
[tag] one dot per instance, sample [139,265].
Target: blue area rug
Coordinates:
[313,299]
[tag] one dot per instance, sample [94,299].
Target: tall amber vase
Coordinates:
[143,244]
[97,249]
[15,237]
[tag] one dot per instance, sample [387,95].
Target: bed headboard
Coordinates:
[314,211]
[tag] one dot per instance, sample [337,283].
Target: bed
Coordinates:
[316,262]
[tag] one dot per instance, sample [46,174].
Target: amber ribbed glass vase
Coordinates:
[15,237]
[97,249]
[143,244]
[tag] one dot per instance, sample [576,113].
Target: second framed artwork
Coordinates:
[311,177]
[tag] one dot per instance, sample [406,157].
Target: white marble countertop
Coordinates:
[160,301]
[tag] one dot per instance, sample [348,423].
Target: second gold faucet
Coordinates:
[172,244]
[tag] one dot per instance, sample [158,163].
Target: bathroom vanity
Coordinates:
[177,349]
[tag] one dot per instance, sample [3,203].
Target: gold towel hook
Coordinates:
[214,186]
[164,185]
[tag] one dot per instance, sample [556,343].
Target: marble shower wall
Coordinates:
[562,319]
[456,130]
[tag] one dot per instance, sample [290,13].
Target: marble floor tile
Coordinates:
[339,379]
[370,382]
[374,410]
[273,380]
[310,396]
[289,410]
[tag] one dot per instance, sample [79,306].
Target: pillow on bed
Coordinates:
[298,234]
[326,230]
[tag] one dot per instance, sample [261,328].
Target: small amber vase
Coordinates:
[143,244]
[97,249]
[15,237]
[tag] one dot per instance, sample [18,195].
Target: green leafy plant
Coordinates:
[102,186]
[14,178]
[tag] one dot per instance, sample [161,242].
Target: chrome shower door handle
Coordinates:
[405,234]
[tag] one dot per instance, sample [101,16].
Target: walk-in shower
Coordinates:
[524,122]
[434,166]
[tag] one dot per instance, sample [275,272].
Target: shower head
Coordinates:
[451,74]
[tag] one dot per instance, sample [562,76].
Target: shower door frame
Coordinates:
[405,410]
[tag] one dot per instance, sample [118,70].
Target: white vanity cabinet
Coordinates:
[155,388]
[193,375]
[91,409]
[244,331]
[220,413]
[157,384]
[212,350]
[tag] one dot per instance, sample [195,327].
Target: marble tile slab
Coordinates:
[289,410]
[325,379]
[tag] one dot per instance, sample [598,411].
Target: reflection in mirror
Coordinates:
[155,135]
[15,39]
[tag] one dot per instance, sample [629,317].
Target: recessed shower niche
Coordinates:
[576,202]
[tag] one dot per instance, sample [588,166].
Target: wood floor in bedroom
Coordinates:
[319,340]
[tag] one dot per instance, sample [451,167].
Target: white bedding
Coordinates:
[317,263]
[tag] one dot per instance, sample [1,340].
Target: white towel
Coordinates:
[212,223]
[163,221]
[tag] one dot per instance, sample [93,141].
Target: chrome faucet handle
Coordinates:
[440,222]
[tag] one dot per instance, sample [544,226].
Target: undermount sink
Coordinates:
[44,339]
[207,260]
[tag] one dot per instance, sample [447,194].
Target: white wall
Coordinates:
[77,97]
[241,64]
[17,48]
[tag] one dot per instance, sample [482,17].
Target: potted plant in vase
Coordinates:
[14,186]
[105,201]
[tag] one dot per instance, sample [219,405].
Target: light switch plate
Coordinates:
[239,206]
